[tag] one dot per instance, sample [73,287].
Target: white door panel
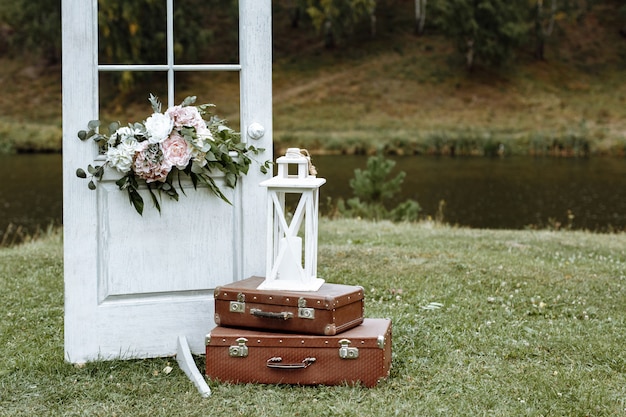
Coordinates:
[134,284]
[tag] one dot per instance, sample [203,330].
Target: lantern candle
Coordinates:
[292,259]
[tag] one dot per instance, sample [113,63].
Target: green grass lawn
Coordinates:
[532,323]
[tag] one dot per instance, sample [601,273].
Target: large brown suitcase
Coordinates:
[332,309]
[361,355]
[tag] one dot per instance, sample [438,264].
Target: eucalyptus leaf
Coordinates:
[113,127]
[210,156]
[188,101]
[82,135]
[139,127]
[91,185]
[80,173]
[206,147]
[93,124]
[196,168]
[204,108]
[231,180]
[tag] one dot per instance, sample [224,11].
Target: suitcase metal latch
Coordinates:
[303,311]
[239,351]
[238,306]
[347,352]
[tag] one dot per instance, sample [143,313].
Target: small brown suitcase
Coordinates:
[361,355]
[332,309]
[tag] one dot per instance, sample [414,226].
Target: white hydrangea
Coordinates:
[121,156]
[124,134]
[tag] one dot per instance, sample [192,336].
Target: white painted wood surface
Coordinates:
[188,365]
[134,284]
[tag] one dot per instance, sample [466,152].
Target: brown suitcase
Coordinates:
[332,309]
[361,355]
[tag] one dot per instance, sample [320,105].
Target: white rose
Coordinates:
[159,127]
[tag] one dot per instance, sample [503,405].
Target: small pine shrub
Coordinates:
[372,189]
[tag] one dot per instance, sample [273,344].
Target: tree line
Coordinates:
[485,32]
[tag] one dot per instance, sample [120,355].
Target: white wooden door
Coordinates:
[133,284]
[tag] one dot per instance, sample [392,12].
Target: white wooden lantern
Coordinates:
[286,269]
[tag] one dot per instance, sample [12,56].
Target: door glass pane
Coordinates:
[206,31]
[120,105]
[218,88]
[132,32]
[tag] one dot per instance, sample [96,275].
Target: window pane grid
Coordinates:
[170,67]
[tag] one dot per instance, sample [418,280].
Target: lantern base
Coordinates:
[291,285]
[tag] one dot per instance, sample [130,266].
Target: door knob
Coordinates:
[256,131]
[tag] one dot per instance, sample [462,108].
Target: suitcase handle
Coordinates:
[274,363]
[285,315]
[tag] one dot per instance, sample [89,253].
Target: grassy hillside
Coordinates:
[407,93]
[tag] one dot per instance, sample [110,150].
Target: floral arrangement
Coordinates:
[185,139]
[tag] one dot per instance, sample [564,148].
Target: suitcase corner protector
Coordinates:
[216,292]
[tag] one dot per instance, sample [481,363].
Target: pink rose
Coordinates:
[176,150]
[188,116]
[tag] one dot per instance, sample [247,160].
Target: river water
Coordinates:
[496,193]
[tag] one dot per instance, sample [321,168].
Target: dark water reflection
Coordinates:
[30,191]
[502,193]
[496,193]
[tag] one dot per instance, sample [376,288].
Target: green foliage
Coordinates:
[489,32]
[33,26]
[485,31]
[371,185]
[337,18]
[373,189]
